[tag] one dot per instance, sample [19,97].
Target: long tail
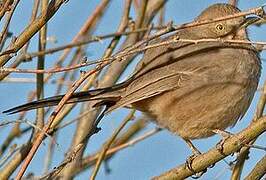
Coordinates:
[105,95]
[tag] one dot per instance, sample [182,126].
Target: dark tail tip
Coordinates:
[51,101]
[14,110]
[26,107]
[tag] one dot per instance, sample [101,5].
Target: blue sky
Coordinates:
[153,156]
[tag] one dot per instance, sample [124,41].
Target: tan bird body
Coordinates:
[189,89]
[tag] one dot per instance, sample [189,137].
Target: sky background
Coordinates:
[152,156]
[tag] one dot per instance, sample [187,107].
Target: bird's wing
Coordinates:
[153,84]
[164,72]
[181,66]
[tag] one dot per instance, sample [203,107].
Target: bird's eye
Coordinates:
[219,27]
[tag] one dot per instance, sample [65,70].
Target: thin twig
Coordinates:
[3,34]
[40,66]
[122,54]
[5,8]
[32,29]
[93,158]
[107,145]
[10,153]
[86,126]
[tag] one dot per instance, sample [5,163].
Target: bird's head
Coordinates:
[224,29]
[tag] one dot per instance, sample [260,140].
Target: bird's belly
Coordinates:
[195,113]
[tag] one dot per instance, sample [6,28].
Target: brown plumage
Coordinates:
[189,89]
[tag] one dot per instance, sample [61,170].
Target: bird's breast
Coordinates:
[215,98]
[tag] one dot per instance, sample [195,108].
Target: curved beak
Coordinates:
[251,20]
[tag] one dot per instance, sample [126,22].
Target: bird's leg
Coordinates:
[195,153]
[225,135]
[194,150]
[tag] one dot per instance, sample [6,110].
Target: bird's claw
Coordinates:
[225,135]
[189,165]
[189,162]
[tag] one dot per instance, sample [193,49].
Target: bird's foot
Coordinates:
[189,165]
[189,161]
[225,135]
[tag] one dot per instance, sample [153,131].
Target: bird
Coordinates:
[189,88]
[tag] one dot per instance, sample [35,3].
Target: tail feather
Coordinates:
[104,95]
[51,101]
